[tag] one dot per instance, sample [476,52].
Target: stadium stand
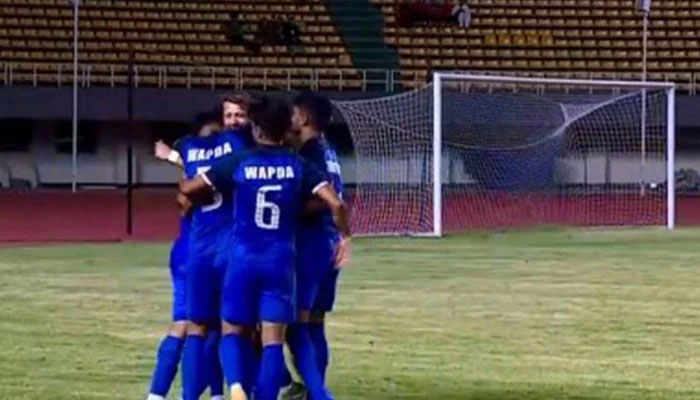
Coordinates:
[185,43]
[554,38]
[174,43]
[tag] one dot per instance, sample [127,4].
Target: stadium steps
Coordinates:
[361,25]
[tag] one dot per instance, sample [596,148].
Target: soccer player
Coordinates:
[234,116]
[170,349]
[211,227]
[269,185]
[317,238]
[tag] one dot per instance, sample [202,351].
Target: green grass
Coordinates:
[558,314]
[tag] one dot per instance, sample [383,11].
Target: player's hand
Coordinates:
[342,253]
[161,150]
[184,203]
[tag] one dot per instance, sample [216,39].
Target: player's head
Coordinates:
[234,110]
[270,118]
[311,111]
[207,123]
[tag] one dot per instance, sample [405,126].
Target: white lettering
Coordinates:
[333,167]
[251,172]
[191,155]
[268,172]
[208,154]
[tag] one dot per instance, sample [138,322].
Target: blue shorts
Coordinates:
[206,266]
[326,292]
[259,287]
[316,273]
[178,277]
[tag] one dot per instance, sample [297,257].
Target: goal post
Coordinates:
[472,152]
[437,154]
[671,157]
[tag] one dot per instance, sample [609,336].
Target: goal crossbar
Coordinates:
[554,81]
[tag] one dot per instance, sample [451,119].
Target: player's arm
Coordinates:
[202,187]
[316,183]
[330,198]
[183,203]
[196,190]
[328,195]
[163,152]
[314,206]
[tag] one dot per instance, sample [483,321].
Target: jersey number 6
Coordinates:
[262,204]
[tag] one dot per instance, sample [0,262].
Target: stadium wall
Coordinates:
[151,104]
[43,165]
[109,104]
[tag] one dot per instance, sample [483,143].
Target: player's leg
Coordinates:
[317,328]
[317,332]
[271,377]
[305,358]
[276,311]
[203,284]
[170,349]
[312,257]
[294,387]
[237,359]
[168,358]
[215,374]
[239,314]
[194,362]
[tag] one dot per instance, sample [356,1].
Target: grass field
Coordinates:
[556,314]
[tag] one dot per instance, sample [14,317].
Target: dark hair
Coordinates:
[204,118]
[318,107]
[272,116]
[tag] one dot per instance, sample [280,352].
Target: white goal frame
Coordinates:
[668,87]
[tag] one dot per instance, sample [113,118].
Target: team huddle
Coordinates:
[263,234]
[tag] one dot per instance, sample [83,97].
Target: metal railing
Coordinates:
[335,79]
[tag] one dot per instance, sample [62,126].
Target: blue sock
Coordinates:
[302,348]
[251,362]
[216,375]
[194,374]
[271,375]
[169,353]
[287,378]
[318,337]
[236,354]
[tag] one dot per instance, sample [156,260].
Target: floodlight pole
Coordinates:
[74,151]
[645,7]
[129,148]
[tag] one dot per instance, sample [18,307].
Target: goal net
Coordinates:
[485,152]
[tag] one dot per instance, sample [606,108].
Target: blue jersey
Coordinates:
[268,185]
[199,154]
[319,153]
